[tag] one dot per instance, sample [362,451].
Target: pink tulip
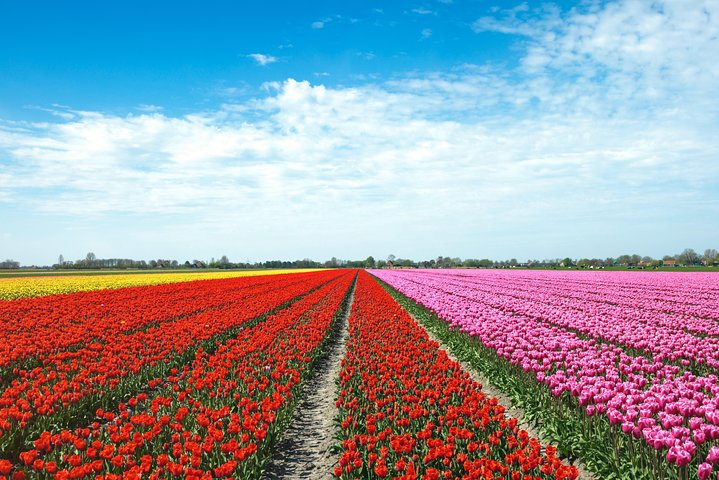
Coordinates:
[713,456]
[566,328]
[705,470]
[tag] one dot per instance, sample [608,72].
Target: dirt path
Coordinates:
[304,450]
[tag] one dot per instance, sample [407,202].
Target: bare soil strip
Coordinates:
[303,452]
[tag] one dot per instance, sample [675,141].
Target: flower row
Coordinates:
[673,411]
[70,382]
[33,327]
[408,411]
[217,417]
[41,285]
[597,311]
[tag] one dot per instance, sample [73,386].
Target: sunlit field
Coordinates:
[37,286]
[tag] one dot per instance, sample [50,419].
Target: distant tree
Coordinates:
[354,264]
[688,257]
[470,263]
[369,263]
[711,256]
[625,260]
[403,262]
[307,263]
[567,262]
[60,260]
[448,262]
[90,257]
[596,262]
[9,264]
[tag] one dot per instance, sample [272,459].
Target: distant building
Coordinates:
[669,263]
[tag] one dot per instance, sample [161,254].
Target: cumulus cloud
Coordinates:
[149,108]
[262,59]
[423,11]
[670,40]
[320,24]
[368,146]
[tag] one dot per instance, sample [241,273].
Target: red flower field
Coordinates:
[200,379]
[408,411]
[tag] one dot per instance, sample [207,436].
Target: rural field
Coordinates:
[44,284]
[346,373]
[418,239]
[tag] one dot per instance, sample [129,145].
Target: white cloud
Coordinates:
[426,32]
[374,146]
[149,108]
[423,11]
[512,21]
[319,24]
[367,55]
[648,56]
[262,59]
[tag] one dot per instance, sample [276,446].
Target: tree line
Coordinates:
[688,257]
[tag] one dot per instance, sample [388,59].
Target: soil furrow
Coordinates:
[304,451]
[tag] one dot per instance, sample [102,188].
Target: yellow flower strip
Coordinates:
[19,287]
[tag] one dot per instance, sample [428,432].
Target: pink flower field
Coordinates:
[638,348]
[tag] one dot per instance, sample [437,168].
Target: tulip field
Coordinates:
[407,409]
[200,377]
[630,356]
[83,374]
[35,286]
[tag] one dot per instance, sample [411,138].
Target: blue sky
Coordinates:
[348,129]
[184,56]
